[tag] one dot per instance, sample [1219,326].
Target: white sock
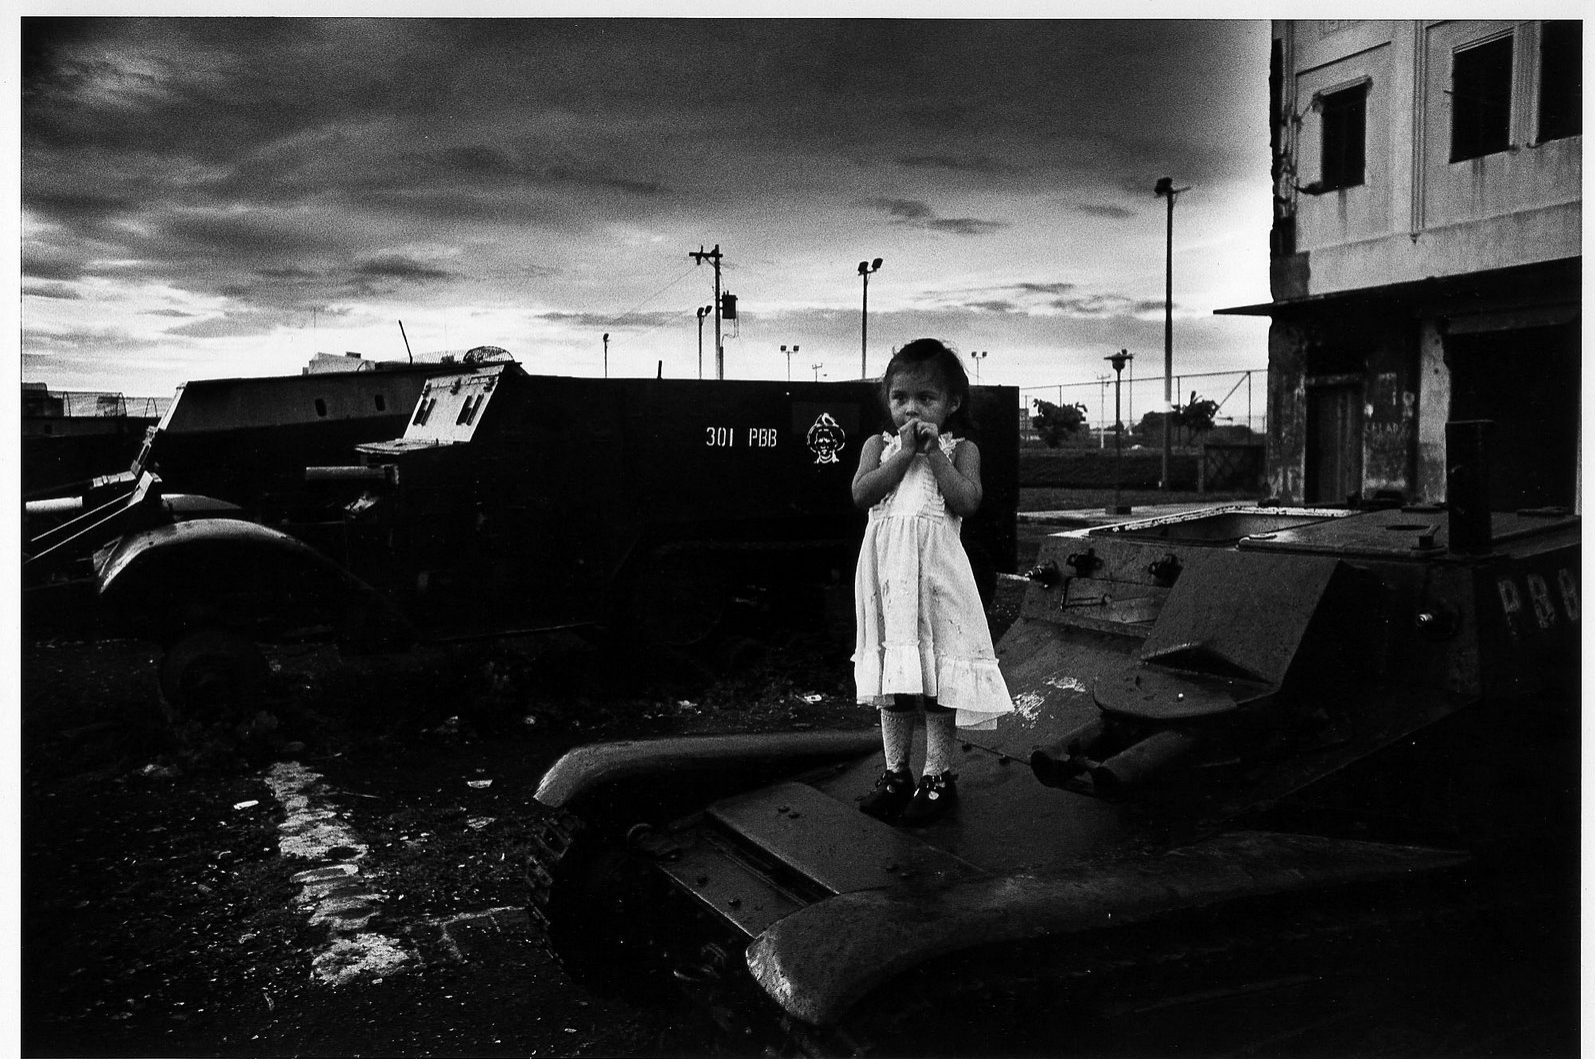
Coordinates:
[941,735]
[897,737]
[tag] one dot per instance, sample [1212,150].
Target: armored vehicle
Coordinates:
[1279,781]
[514,503]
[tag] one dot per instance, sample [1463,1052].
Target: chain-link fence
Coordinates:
[38,400]
[1241,398]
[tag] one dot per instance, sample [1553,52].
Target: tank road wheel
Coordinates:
[212,669]
[591,897]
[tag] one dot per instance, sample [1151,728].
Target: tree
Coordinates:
[1055,422]
[1196,416]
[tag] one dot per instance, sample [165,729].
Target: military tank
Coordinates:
[1280,781]
[659,511]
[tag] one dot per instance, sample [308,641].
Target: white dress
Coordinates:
[921,627]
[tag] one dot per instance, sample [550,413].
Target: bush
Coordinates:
[1054,422]
[1095,469]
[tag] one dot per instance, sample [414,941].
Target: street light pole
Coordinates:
[703,310]
[1118,361]
[1102,410]
[789,353]
[606,354]
[864,269]
[977,357]
[1165,188]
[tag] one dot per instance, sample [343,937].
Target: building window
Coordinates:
[1561,79]
[1481,99]
[1345,115]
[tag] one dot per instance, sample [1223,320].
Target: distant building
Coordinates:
[1425,255]
[322,363]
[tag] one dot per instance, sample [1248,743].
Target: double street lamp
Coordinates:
[703,310]
[789,353]
[1118,360]
[977,357]
[864,269]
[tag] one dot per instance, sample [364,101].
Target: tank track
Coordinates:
[1327,969]
[551,842]
[1323,961]
[566,875]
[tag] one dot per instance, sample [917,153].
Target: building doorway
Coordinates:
[1334,443]
[1527,382]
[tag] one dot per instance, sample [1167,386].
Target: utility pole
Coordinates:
[606,354]
[700,256]
[816,368]
[1165,189]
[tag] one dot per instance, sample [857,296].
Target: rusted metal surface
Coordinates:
[819,962]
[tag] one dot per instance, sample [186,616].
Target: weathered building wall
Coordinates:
[1285,461]
[1390,415]
[1370,278]
[1434,408]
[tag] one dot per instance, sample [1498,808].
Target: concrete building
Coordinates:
[1425,257]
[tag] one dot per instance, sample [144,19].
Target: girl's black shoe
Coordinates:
[892,792]
[936,795]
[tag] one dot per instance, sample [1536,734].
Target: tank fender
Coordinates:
[821,960]
[241,573]
[588,772]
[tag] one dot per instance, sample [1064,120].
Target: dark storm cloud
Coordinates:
[232,325]
[283,163]
[403,269]
[1056,298]
[51,290]
[631,320]
[919,215]
[1102,210]
[1046,288]
[49,264]
[74,341]
[955,163]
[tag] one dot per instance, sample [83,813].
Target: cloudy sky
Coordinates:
[218,197]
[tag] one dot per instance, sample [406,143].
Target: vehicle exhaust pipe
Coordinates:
[1141,761]
[1057,763]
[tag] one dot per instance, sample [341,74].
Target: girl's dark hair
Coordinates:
[933,354]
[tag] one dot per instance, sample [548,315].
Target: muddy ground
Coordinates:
[160,914]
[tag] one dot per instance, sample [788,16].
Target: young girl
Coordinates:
[922,631]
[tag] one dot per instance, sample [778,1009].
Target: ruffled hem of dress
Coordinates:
[973,687]
[894,666]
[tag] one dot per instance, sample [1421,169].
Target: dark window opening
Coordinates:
[321,408]
[381,401]
[467,410]
[1481,99]
[1561,79]
[1345,115]
[423,410]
